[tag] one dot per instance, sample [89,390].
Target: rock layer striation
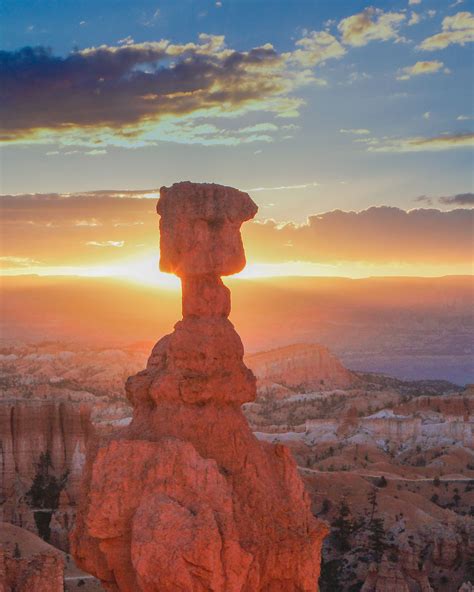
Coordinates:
[185,498]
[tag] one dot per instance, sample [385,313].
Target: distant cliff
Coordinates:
[302,366]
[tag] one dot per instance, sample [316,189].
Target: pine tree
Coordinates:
[329,580]
[344,526]
[43,495]
[372,499]
[377,538]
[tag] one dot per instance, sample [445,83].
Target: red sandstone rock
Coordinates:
[199,228]
[185,498]
[28,564]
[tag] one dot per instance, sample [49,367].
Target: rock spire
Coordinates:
[185,498]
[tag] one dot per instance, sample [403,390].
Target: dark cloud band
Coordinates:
[67,229]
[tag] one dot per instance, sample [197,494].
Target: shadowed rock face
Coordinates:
[185,498]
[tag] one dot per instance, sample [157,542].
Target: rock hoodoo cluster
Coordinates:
[185,498]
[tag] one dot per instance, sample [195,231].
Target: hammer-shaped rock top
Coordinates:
[200,228]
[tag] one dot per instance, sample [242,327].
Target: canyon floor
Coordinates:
[389,463]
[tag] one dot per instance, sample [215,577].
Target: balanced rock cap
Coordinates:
[200,228]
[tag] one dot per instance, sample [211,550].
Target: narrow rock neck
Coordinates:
[205,296]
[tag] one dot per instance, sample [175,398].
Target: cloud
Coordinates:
[90,222]
[138,94]
[357,77]
[128,40]
[372,24]
[422,144]
[357,132]
[457,29]
[379,235]
[95,152]
[149,21]
[109,243]
[426,67]
[427,115]
[283,187]
[8,262]
[461,199]
[414,19]
[412,2]
[119,229]
[464,117]
[315,48]
[424,199]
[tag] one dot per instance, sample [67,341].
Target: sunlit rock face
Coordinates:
[185,498]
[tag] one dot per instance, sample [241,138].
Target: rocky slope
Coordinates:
[185,497]
[301,367]
[27,563]
[390,465]
[343,441]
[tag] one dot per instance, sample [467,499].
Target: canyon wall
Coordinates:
[42,454]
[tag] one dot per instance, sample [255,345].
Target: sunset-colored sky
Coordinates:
[349,124]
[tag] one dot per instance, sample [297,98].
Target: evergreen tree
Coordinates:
[344,525]
[329,579]
[377,538]
[43,496]
[372,499]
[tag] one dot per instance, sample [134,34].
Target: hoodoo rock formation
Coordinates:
[185,498]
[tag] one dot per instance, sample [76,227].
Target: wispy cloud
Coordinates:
[315,48]
[422,67]
[7,262]
[457,29]
[108,243]
[92,222]
[372,24]
[414,19]
[356,131]
[283,187]
[422,144]
[461,199]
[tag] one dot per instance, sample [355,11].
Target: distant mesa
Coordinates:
[185,497]
[303,367]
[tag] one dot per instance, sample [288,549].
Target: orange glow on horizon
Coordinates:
[145,270]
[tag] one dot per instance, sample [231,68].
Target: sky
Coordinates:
[349,124]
